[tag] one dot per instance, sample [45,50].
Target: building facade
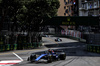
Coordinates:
[89,7]
[68,8]
[63,8]
[73,9]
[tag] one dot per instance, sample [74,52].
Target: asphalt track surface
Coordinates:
[76,54]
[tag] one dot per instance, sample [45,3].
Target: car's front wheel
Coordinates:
[28,59]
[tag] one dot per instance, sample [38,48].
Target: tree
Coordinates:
[27,12]
[36,13]
[37,10]
[8,10]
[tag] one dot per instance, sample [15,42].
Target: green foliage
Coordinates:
[29,12]
[42,8]
[9,8]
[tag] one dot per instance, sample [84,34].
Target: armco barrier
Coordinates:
[20,42]
[93,48]
[25,46]
[39,44]
[35,44]
[2,48]
[11,47]
[7,47]
[30,45]
[2,40]
[98,49]
[2,45]
[15,46]
[88,48]
[20,46]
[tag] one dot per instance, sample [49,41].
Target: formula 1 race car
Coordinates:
[49,56]
[58,39]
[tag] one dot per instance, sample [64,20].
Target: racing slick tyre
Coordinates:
[28,59]
[62,56]
[58,58]
[32,57]
[49,60]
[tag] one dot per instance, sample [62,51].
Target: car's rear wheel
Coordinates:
[62,56]
[49,60]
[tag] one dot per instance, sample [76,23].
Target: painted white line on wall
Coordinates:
[18,56]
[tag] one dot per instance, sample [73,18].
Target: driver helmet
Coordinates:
[51,50]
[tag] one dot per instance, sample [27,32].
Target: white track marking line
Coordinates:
[9,62]
[18,56]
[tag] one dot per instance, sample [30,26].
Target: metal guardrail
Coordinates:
[93,48]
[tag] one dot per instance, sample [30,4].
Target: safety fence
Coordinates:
[93,48]
[72,33]
[18,43]
[8,47]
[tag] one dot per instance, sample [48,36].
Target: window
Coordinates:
[65,3]
[66,11]
[64,14]
[64,7]
[68,1]
[69,9]
[64,0]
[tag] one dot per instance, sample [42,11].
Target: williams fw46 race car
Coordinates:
[58,39]
[49,56]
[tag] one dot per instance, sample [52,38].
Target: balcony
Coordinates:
[87,1]
[84,1]
[95,7]
[70,3]
[84,9]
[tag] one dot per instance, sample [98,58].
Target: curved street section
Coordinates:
[76,54]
